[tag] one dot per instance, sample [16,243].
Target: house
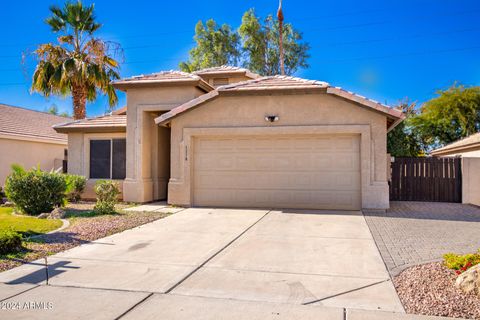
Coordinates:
[27,138]
[227,137]
[466,147]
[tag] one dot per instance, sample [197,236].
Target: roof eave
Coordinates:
[468,147]
[93,129]
[396,115]
[123,85]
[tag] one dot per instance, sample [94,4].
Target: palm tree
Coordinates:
[80,65]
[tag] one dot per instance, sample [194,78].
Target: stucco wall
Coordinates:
[79,158]
[323,113]
[471,181]
[29,154]
[148,146]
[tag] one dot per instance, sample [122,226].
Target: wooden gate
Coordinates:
[426,179]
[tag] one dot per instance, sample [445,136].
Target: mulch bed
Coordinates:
[82,229]
[429,289]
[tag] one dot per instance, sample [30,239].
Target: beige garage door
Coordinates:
[311,172]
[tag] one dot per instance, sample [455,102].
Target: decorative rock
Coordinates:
[57,213]
[43,215]
[469,281]
[8,204]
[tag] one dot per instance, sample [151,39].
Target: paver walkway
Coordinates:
[411,233]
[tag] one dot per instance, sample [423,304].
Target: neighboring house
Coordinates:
[469,150]
[275,142]
[27,138]
[466,147]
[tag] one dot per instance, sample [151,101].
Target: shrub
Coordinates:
[35,191]
[10,241]
[75,186]
[107,192]
[461,263]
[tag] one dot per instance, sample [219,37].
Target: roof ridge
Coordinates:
[224,66]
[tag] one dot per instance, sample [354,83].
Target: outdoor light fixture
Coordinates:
[271,118]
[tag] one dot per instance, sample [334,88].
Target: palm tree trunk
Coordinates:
[79,96]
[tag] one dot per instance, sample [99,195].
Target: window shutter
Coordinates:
[119,159]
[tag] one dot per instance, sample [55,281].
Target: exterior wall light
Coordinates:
[271,118]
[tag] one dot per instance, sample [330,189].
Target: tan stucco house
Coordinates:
[228,137]
[27,138]
[468,149]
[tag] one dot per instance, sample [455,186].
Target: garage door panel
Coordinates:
[278,172]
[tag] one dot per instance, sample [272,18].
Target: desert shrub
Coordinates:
[10,241]
[35,191]
[75,186]
[107,192]
[461,263]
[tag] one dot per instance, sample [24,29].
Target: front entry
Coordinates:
[284,171]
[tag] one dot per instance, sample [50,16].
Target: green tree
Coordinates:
[80,65]
[403,140]
[453,115]
[255,46]
[54,110]
[215,46]
[260,45]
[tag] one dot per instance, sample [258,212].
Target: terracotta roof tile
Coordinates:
[226,70]
[165,78]
[108,123]
[275,83]
[30,123]
[467,142]
[163,75]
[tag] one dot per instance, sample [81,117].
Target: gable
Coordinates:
[292,110]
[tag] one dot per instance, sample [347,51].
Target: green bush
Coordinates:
[461,263]
[34,192]
[107,192]
[10,241]
[75,186]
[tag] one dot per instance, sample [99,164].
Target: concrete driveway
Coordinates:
[280,258]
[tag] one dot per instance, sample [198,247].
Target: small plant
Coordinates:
[10,241]
[461,263]
[75,186]
[35,191]
[107,192]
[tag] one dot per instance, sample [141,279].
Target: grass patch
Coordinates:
[25,225]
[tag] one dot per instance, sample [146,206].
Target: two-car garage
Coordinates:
[280,142]
[321,171]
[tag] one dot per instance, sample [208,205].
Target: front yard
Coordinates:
[85,226]
[26,225]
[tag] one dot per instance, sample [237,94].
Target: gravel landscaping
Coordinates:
[429,289]
[84,226]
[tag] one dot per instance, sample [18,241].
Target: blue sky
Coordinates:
[385,50]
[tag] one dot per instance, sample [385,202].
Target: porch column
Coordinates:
[138,185]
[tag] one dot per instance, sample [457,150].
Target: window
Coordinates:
[108,159]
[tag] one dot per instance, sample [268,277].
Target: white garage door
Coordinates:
[310,172]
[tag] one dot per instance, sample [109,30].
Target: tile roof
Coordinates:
[108,123]
[26,123]
[471,141]
[274,83]
[282,83]
[226,70]
[164,77]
